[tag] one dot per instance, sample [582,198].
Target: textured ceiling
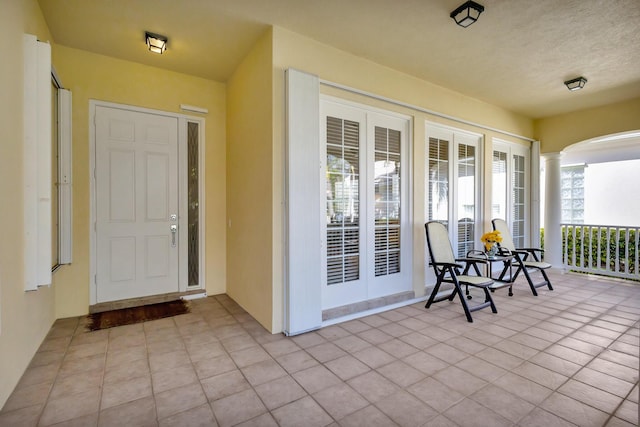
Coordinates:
[516,56]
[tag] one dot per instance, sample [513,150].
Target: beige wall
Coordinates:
[249,177]
[558,132]
[91,76]
[25,317]
[294,51]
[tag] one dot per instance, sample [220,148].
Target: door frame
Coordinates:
[183,119]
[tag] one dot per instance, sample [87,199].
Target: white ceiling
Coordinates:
[516,56]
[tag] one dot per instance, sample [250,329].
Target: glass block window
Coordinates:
[572,196]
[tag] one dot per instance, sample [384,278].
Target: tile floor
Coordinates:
[567,357]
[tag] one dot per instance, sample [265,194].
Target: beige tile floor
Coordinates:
[567,357]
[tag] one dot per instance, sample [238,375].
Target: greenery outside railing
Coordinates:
[601,249]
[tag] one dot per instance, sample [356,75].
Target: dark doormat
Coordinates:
[129,316]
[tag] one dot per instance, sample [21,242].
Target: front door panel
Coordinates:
[136,204]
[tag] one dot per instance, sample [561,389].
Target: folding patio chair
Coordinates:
[447,269]
[527,259]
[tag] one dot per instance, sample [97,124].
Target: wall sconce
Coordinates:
[576,84]
[156,43]
[467,14]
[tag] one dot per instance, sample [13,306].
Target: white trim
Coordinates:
[56,78]
[193,296]
[534,191]
[377,310]
[182,118]
[194,109]
[421,109]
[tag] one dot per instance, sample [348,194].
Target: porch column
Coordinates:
[552,210]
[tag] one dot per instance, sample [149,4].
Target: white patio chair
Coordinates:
[527,259]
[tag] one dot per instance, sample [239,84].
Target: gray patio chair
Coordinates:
[527,260]
[447,269]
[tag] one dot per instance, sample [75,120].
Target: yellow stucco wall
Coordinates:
[25,317]
[558,132]
[249,176]
[90,76]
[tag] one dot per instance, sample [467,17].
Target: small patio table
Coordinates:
[474,257]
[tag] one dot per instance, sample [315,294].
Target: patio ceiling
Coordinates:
[516,56]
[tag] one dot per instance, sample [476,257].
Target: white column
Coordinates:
[552,210]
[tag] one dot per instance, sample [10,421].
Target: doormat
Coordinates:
[129,316]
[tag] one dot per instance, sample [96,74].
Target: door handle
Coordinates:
[174,230]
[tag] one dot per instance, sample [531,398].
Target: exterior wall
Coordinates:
[90,76]
[25,317]
[294,51]
[558,132]
[250,165]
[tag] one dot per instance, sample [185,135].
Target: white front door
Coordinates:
[136,173]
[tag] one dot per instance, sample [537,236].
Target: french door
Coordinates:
[454,160]
[366,230]
[510,188]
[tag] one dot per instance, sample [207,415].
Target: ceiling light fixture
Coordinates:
[467,14]
[156,43]
[576,84]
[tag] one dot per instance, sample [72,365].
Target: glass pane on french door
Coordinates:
[510,188]
[499,185]
[387,191]
[343,200]
[466,210]
[519,199]
[438,180]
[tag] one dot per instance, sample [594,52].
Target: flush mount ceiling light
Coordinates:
[576,84]
[156,43]
[467,14]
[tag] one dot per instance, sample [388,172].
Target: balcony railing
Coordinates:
[601,249]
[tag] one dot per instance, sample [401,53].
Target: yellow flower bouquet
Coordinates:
[490,239]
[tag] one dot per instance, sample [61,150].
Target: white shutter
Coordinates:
[303,290]
[37,163]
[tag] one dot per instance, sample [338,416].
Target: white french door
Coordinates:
[511,188]
[454,160]
[366,230]
[136,204]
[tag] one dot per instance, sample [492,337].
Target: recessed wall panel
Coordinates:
[122,257]
[157,256]
[122,186]
[121,130]
[157,135]
[157,183]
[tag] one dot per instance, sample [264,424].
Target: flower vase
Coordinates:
[492,251]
